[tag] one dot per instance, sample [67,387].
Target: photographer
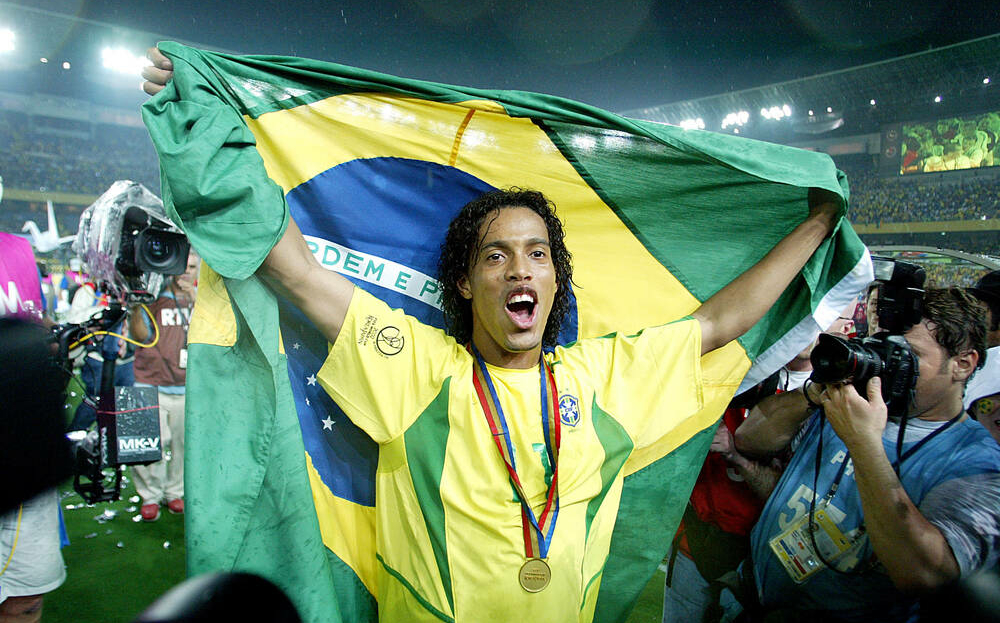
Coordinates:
[862,523]
[164,366]
[714,535]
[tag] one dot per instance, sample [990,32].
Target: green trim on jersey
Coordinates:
[617,448]
[423,602]
[426,442]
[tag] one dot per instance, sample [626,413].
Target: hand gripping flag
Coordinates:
[373,168]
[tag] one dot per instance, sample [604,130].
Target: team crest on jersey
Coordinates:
[569,410]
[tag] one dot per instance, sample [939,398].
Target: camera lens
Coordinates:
[162,252]
[835,360]
[157,249]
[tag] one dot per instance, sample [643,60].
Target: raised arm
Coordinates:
[731,311]
[291,270]
[773,423]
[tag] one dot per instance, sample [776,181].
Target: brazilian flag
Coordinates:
[373,168]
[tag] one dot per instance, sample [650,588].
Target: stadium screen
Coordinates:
[951,144]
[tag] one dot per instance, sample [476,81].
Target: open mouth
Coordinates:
[521,306]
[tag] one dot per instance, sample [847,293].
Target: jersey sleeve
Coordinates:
[651,382]
[386,366]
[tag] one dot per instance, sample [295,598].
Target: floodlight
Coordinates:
[6,40]
[43,60]
[937,100]
[122,61]
[735,119]
[871,101]
[775,113]
[811,113]
[66,65]
[986,80]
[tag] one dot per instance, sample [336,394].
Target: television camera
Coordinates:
[128,247]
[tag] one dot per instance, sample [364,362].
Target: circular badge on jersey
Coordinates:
[569,410]
[389,341]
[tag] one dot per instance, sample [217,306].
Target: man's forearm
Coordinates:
[731,311]
[913,551]
[772,424]
[322,295]
[137,324]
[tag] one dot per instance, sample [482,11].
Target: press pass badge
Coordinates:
[183,359]
[794,547]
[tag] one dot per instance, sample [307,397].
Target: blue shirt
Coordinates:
[963,450]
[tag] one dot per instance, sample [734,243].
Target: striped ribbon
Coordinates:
[537,532]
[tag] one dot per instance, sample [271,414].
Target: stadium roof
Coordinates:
[965,77]
[604,52]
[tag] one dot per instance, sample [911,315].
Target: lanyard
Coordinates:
[537,532]
[895,464]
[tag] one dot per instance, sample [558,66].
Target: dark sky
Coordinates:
[616,54]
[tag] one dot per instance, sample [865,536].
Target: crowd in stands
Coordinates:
[875,201]
[34,158]
[15,213]
[945,275]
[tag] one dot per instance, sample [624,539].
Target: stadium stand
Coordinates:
[42,154]
[875,200]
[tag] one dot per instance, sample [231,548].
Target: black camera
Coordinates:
[150,245]
[127,244]
[886,354]
[858,360]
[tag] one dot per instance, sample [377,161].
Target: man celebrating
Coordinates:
[474,456]
[982,396]
[501,463]
[853,533]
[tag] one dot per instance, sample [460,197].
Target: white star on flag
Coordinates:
[296,346]
[311,379]
[328,423]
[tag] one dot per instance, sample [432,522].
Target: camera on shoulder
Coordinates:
[886,354]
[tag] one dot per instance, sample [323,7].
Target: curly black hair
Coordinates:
[463,241]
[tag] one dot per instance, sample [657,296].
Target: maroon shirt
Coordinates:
[160,365]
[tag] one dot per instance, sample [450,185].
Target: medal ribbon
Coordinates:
[537,532]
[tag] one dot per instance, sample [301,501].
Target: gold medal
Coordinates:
[534,575]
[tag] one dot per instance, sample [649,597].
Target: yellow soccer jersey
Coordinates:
[448,524]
